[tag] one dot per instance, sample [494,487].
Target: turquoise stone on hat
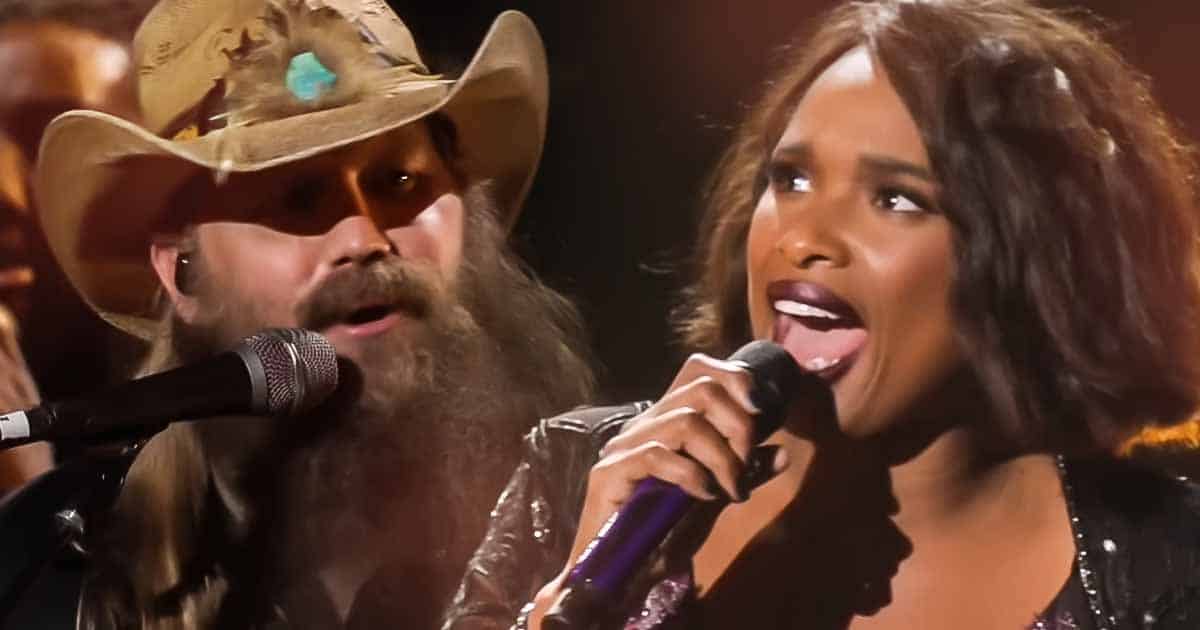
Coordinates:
[308,78]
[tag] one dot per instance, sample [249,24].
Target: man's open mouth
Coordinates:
[368,314]
[820,330]
[368,300]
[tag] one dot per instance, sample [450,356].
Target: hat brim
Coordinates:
[102,183]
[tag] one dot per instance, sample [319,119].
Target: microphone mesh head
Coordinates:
[300,368]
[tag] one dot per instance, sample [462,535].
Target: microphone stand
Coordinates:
[44,524]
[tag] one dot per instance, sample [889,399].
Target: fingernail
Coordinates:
[743,490]
[716,490]
[745,485]
[761,466]
[765,395]
[752,405]
[780,460]
[748,398]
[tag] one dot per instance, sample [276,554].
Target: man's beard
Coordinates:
[407,458]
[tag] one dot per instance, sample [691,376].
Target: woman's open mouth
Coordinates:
[819,329]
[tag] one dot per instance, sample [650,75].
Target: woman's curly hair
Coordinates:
[1071,196]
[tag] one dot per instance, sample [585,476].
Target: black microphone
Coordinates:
[275,372]
[595,587]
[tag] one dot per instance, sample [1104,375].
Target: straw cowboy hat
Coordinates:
[232,86]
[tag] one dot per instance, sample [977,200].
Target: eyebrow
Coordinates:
[870,163]
[879,164]
[801,152]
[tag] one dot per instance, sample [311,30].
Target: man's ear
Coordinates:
[164,257]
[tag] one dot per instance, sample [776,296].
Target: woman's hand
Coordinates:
[698,436]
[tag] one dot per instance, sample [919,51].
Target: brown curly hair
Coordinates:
[1071,196]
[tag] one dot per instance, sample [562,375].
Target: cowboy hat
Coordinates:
[231,86]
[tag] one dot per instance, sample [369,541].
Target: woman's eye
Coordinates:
[899,201]
[788,179]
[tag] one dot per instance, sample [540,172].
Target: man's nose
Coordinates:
[357,237]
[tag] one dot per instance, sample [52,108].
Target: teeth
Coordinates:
[821,363]
[800,309]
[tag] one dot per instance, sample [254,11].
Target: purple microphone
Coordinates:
[595,586]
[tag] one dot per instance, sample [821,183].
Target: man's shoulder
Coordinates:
[594,421]
[575,437]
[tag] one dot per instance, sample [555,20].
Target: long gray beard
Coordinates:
[404,464]
[409,463]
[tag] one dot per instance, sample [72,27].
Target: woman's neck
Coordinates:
[955,482]
[950,481]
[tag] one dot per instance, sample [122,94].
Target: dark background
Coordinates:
[644,94]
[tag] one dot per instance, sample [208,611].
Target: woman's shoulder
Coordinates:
[1138,531]
[1131,491]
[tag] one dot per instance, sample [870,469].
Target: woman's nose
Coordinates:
[812,237]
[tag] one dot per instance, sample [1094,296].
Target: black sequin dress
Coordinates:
[1137,540]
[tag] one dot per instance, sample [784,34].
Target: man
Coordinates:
[300,166]
[56,56]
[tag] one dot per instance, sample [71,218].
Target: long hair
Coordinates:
[1071,198]
[157,567]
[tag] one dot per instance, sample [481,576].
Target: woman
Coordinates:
[971,221]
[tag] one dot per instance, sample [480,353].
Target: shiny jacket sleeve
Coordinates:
[1139,532]
[534,521]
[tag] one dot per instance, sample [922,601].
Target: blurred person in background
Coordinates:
[55,56]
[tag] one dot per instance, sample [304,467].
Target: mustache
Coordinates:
[388,283]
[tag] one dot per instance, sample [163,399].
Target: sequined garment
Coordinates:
[1137,537]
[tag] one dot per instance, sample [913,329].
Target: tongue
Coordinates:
[807,344]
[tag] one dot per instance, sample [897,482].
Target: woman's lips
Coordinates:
[812,295]
[826,352]
[818,328]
